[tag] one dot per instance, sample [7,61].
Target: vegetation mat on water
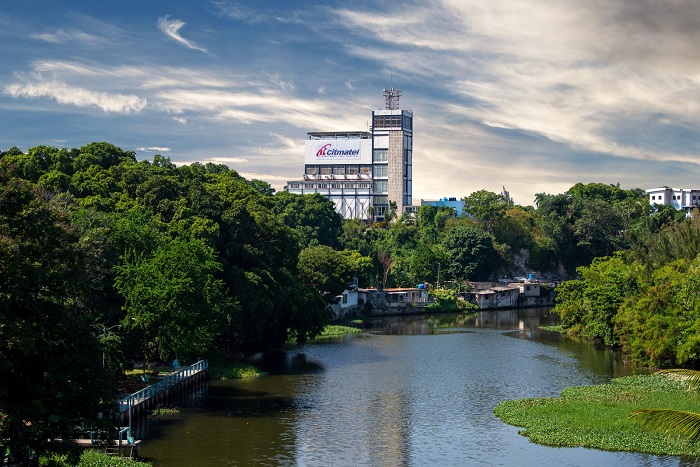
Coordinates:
[338,330]
[90,458]
[235,370]
[598,416]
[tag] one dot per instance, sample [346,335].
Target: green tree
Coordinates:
[469,253]
[659,326]
[53,383]
[313,217]
[587,307]
[487,207]
[327,270]
[174,298]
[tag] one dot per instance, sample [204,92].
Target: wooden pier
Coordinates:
[159,391]
[124,446]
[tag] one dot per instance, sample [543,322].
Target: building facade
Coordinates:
[363,173]
[683,199]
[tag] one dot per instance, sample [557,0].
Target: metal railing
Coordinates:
[162,385]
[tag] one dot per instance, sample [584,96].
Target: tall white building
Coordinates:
[359,170]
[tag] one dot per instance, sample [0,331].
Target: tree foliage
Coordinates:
[53,382]
[469,253]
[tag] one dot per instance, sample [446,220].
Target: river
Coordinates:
[410,391]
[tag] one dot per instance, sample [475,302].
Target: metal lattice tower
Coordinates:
[391,96]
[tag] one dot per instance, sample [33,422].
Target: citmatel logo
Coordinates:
[322,151]
[327,151]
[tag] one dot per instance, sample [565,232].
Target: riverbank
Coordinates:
[598,416]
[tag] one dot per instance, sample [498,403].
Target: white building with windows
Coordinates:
[362,172]
[685,199]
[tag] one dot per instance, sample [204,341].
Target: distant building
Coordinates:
[363,172]
[456,204]
[683,199]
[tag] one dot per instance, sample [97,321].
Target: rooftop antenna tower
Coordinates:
[391,96]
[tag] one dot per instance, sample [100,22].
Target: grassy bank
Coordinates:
[597,416]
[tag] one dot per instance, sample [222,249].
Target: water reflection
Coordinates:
[409,391]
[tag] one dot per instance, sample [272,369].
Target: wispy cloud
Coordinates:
[153,149]
[228,160]
[79,97]
[240,12]
[277,81]
[569,71]
[61,37]
[171,28]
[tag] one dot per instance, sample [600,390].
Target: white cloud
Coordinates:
[171,28]
[228,160]
[153,149]
[588,74]
[79,97]
[61,37]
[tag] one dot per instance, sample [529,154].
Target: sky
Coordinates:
[531,95]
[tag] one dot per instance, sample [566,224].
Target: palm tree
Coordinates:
[673,421]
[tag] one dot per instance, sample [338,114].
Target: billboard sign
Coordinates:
[338,151]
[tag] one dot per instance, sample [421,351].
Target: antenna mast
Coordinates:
[391,96]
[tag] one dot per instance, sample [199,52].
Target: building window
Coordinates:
[338,170]
[352,170]
[381,155]
[380,200]
[381,170]
[326,170]
[380,186]
[366,169]
[311,170]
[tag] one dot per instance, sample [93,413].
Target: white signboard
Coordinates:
[338,151]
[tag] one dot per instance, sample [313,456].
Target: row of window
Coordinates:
[338,169]
[379,170]
[332,186]
[676,197]
[393,121]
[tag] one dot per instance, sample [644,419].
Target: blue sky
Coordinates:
[533,95]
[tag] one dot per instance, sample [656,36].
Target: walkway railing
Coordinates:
[163,385]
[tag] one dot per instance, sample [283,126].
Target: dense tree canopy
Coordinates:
[98,248]
[104,258]
[52,380]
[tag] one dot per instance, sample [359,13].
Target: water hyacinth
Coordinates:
[598,416]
